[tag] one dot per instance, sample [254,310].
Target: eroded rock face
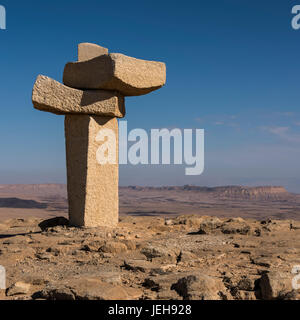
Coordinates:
[115,71]
[51,96]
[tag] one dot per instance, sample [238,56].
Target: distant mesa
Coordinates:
[267,192]
[238,192]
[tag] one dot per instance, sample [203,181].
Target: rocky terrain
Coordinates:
[188,257]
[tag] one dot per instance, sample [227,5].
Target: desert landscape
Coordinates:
[172,243]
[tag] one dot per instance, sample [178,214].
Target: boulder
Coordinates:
[159,253]
[113,247]
[200,287]
[209,225]
[277,285]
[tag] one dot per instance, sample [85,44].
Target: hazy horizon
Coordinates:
[158,186]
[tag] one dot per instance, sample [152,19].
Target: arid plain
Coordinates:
[50,200]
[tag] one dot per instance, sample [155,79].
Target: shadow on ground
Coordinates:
[21,203]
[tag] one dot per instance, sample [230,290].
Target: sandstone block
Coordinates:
[92,187]
[115,71]
[87,51]
[52,96]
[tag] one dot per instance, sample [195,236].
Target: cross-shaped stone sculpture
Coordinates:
[92,98]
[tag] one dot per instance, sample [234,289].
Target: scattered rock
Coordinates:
[52,292]
[261,261]
[169,222]
[246,284]
[247,295]
[138,265]
[151,284]
[189,221]
[209,225]
[44,256]
[164,255]
[200,287]
[113,247]
[130,244]
[186,257]
[88,289]
[236,228]
[18,288]
[267,221]
[92,246]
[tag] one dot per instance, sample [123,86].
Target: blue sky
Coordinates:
[232,69]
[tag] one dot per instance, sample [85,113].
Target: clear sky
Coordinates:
[233,70]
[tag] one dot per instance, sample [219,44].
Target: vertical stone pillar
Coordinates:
[92,187]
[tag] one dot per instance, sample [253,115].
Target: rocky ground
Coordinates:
[187,257]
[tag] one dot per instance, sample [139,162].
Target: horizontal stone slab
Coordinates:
[51,96]
[115,71]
